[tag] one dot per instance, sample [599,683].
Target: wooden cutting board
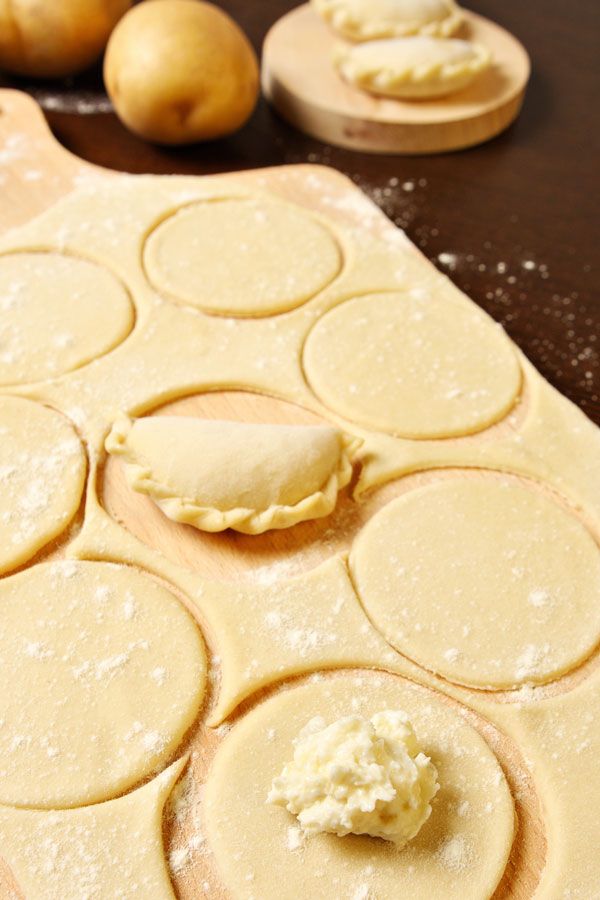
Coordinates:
[35,171]
[302,84]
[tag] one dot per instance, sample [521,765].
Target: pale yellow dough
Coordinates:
[488,583]
[102,852]
[364,20]
[47,302]
[236,257]
[102,671]
[412,68]
[461,851]
[217,475]
[416,364]
[275,629]
[42,472]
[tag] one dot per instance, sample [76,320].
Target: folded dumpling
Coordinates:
[366,20]
[216,475]
[412,68]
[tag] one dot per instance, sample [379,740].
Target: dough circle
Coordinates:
[461,851]
[102,671]
[415,364]
[42,476]
[486,582]
[241,257]
[56,314]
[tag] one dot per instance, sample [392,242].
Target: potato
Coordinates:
[180,71]
[53,38]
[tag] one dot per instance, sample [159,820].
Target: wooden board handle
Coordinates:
[35,170]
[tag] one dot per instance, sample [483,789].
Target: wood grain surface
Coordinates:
[301,81]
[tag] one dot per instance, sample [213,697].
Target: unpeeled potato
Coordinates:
[180,71]
[53,38]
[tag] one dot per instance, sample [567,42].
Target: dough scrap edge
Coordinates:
[355,29]
[428,80]
[248,521]
[106,827]
[97,538]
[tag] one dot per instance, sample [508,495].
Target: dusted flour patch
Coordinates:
[417,364]
[250,836]
[111,849]
[486,582]
[56,314]
[82,714]
[42,472]
[241,257]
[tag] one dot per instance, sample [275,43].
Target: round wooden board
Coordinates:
[302,84]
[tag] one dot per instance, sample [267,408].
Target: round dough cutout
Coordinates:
[415,364]
[56,314]
[241,257]
[486,582]
[102,671]
[42,476]
[461,851]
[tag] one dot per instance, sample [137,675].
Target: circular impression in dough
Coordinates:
[241,257]
[415,364]
[461,851]
[42,475]
[56,314]
[102,671]
[484,581]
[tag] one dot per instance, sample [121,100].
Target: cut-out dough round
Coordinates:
[42,475]
[485,582]
[412,68]
[416,364]
[102,671]
[241,257]
[109,850]
[461,851]
[56,314]
[364,20]
[216,475]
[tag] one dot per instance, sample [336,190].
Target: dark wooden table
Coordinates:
[513,222]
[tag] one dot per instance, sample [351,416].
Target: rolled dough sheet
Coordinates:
[538,433]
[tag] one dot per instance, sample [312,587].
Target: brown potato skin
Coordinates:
[55,38]
[180,71]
